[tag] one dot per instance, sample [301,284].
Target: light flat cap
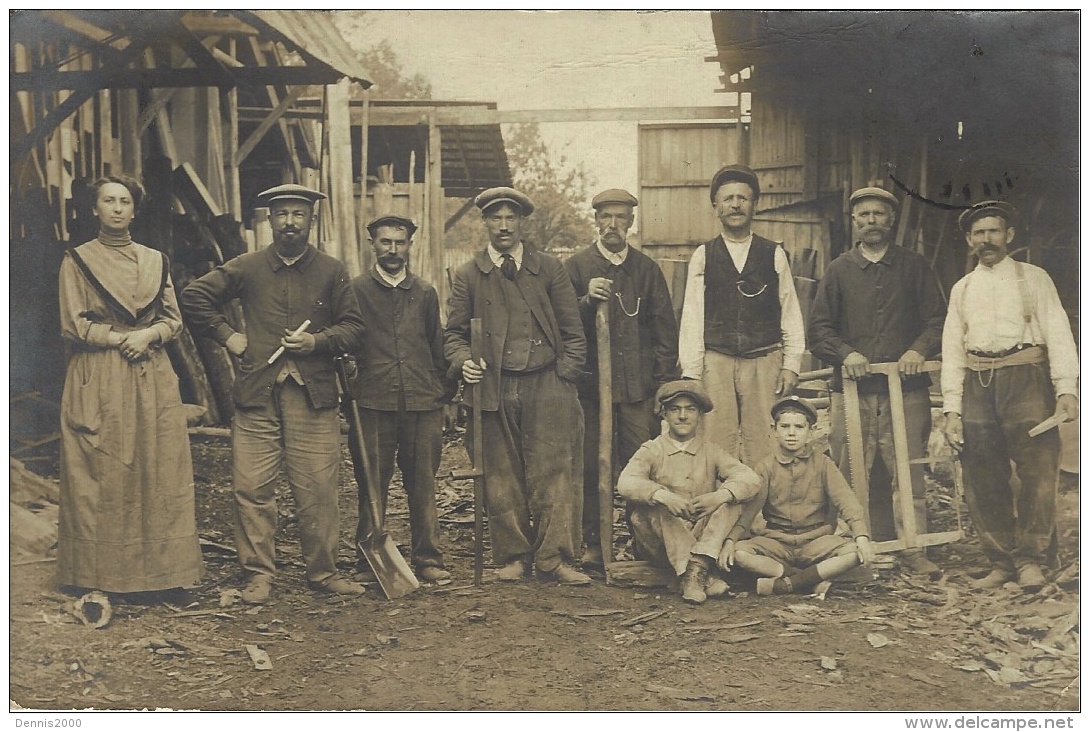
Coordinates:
[871,192]
[290,190]
[614,195]
[795,404]
[741,173]
[391,220]
[1002,209]
[691,388]
[503,194]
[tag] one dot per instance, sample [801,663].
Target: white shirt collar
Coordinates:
[617,258]
[392,280]
[1006,264]
[497,258]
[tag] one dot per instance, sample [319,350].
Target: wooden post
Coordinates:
[361,206]
[340,174]
[605,435]
[434,203]
[129,115]
[234,185]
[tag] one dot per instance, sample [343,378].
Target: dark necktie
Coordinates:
[507,266]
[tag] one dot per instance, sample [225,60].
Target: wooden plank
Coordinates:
[342,201]
[435,204]
[900,452]
[386,116]
[361,204]
[231,172]
[273,118]
[128,116]
[262,228]
[274,99]
[639,574]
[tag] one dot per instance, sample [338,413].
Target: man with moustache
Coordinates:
[531,422]
[401,387]
[286,408]
[642,339]
[880,303]
[741,326]
[1009,362]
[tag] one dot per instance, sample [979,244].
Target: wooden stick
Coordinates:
[279,351]
[605,435]
[1052,422]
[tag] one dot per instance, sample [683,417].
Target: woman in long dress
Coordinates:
[127,516]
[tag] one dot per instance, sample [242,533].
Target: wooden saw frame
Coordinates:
[860,479]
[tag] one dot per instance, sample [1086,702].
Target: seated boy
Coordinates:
[797,549]
[684,494]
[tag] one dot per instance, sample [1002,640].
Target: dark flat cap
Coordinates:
[293,191]
[796,404]
[1001,209]
[391,220]
[691,388]
[614,195]
[870,192]
[740,173]
[489,198]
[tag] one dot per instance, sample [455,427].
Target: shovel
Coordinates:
[394,575]
[476,351]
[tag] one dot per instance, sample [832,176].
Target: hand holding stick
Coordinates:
[279,351]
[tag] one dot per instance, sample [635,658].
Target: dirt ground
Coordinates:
[883,642]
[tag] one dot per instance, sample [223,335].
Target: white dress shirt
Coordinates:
[985,315]
[616,258]
[497,257]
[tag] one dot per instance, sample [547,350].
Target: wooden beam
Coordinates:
[361,206]
[201,56]
[386,116]
[453,220]
[219,25]
[342,201]
[81,27]
[435,203]
[274,99]
[275,116]
[43,80]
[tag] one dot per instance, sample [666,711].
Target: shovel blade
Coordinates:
[392,571]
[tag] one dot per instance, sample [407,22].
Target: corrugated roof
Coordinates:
[314,34]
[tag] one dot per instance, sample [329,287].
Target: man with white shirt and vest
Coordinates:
[531,421]
[1009,362]
[642,339]
[741,326]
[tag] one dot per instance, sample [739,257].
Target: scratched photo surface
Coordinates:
[413,115]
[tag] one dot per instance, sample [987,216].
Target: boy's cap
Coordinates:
[795,404]
[691,388]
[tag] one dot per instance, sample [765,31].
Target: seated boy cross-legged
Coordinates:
[685,495]
[797,549]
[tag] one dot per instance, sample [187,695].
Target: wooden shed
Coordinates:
[209,108]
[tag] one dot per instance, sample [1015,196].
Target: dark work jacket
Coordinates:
[735,324]
[879,309]
[402,355]
[477,291]
[643,348]
[276,297]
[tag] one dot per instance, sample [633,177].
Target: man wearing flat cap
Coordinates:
[401,385]
[881,303]
[685,494]
[286,406]
[1009,362]
[531,422]
[642,338]
[741,325]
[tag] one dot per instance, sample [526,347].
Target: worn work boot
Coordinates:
[338,586]
[717,586]
[694,582]
[566,574]
[432,573]
[513,571]
[592,557]
[1030,578]
[257,590]
[993,580]
[915,561]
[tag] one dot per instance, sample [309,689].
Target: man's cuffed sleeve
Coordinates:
[691,329]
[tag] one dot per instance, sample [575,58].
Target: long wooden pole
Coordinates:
[605,435]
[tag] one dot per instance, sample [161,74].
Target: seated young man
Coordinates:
[684,494]
[797,549]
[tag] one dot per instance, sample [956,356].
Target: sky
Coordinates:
[563,60]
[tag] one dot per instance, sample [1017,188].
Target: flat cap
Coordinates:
[492,196]
[740,173]
[691,388]
[290,190]
[796,404]
[987,208]
[391,220]
[614,195]
[870,192]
